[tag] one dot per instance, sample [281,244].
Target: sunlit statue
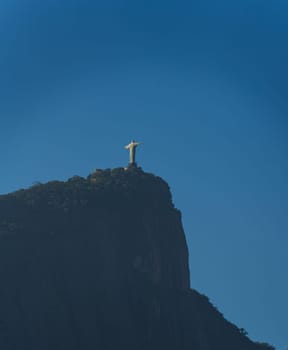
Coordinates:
[132,147]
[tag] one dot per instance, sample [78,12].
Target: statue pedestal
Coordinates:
[133,167]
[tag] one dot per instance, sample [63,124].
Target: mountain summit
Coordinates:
[102,263]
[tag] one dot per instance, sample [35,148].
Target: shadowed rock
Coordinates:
[102,263]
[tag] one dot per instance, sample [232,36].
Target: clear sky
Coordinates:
[204,85]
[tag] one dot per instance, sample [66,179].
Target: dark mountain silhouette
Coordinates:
[102,263]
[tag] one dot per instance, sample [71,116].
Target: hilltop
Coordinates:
[102,263]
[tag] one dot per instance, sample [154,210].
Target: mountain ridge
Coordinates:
[102,262]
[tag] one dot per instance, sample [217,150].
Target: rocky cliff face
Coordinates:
[102,263]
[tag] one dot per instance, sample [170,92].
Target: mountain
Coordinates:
[102,263]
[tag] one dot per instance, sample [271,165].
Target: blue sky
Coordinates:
[204,86]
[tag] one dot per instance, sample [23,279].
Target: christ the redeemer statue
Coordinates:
[132,147]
